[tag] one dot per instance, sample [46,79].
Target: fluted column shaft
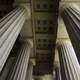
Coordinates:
[29,71]
[70,69]
[10,27]
[19,70]
[71,18]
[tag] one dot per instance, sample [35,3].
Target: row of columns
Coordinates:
[71,17]
[69,66]
[10,27]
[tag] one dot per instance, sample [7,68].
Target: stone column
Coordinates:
[70,69]
[29,71]
[10,27]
